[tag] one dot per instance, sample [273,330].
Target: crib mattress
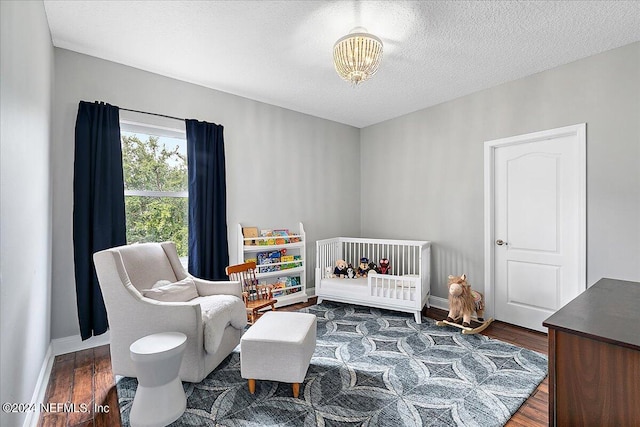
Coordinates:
[359,288]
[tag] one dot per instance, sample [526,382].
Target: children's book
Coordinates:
[282,236]
[270,239]
[267,258]
[289,261]
[278,287]
[293,284]
[249,232]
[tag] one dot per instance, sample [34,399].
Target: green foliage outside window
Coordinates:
[150,166]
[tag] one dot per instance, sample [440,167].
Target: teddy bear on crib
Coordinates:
[340,270]
[463,301]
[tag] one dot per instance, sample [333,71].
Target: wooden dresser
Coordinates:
[594,357]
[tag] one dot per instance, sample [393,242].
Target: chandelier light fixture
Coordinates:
[357,56]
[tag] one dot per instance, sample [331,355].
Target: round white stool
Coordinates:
[160,398]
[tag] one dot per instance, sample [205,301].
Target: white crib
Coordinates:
[407,289]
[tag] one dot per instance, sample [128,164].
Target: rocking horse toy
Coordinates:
[463,302]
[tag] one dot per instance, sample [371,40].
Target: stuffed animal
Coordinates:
[351,272]
[463,301]
[363,268]
[328,273]
[373,268]
[384,267]
[341,269]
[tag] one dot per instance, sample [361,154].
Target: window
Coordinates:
[154,161]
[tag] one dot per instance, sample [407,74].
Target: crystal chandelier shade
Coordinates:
[357,56]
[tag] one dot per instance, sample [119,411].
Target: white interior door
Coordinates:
[537,222]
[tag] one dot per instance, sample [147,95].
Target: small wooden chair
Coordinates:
[255,296]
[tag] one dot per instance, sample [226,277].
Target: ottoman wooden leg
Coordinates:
[296,389]
[252,386]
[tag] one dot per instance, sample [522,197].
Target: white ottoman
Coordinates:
[160,398]
[278,347]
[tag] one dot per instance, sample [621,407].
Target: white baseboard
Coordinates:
[32,418]
[74,343]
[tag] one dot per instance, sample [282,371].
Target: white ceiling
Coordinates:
[280,52]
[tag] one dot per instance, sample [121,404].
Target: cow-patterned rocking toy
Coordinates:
[463,302]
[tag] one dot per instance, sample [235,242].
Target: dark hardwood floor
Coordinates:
[84,378]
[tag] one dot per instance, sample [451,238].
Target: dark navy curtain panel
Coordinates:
[208,246]
[98,205]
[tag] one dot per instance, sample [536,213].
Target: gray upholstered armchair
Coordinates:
[146,290]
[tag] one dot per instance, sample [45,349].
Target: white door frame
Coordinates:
[580,131]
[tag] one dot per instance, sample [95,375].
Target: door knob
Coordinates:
[501,242]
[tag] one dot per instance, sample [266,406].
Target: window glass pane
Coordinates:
[157,219]
[154,163]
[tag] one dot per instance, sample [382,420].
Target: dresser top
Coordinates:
[608,311]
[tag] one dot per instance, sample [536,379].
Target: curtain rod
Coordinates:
[153,114]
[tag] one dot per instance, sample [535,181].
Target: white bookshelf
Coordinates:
[290,294]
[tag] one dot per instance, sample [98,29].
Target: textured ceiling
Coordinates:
[280,52]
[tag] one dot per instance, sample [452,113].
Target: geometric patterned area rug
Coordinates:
[372,367]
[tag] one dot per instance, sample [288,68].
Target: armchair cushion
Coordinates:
[219,311]
[146,263]
[164,290]
[207,287]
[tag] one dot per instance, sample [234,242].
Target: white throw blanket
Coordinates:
[219,311]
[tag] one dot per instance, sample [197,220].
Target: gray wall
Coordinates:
[283,167]
[25,199]
[429,164]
